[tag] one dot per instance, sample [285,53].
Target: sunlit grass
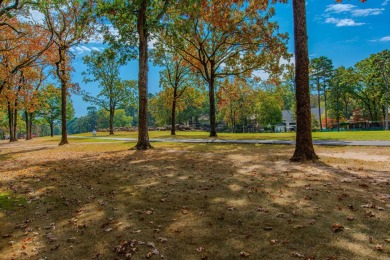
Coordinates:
[342,136]
[9,201]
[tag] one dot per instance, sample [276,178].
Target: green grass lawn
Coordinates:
[352,135]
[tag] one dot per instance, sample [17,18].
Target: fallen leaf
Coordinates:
[200,249]
[244,254]
[368,205]
[379,247]
[387,240]
[296,254]
[162,239]
[273,241]
[337,228]
[151,244]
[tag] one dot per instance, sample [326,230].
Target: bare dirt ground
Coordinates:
[192,201]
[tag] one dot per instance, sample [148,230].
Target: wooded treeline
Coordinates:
[211,52]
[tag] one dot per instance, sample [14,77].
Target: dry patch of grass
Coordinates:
[192,201]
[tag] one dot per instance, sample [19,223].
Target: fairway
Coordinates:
[342,136]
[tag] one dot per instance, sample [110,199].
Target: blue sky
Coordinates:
[346,33]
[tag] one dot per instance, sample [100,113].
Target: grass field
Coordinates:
[101,200]
[342,136]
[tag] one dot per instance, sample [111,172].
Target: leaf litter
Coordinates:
[242,196]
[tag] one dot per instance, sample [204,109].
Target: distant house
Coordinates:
[289,120]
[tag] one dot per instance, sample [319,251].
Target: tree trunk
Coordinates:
[173,114]
[112,113]
[143,136]
[15,125]
[62,75]
[213,131]
[30,127]
[319,102]
[51,130]
[11,123]
[304,149]
[326,115]
[27,118]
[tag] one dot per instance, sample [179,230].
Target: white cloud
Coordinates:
[79,49]
[261,74]
[85,48]
[342,22]
[385,39]
[349,10]
[339,8]
[367,12]
[95,49]
[37,16]
[385,2]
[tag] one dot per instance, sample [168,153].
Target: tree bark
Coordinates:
[213,131]
[62,75]
[30,127]
[143,136]
[51,130]
[304,149]
[173,112]
[11,123]
[112,113]
[28,132]
[319,102]
[325,112]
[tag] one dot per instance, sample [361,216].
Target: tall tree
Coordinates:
[176,75]
[137,20]
[225,38]
[304,149]
[382,59]
[71,22]
[104,68]
[235,102]
[321,72]
[340,87]
[51,111]
[30,100]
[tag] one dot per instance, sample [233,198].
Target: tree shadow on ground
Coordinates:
[191,202]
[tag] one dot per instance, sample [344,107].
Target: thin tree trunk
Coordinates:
[213,131]
[62,73]
[11,123]
[173,112]
[27,125]
[143,136]
[112,113]
[15,124]
[319,102]
[326,115]
[304,149]
[51,130]
[30,127]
